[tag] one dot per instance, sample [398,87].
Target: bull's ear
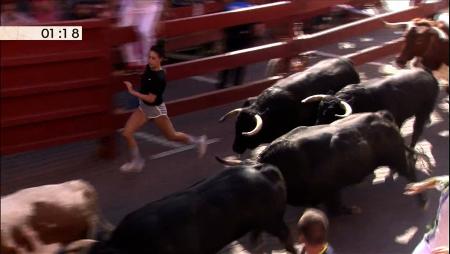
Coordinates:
[411,32]
[249,101]
[433,56]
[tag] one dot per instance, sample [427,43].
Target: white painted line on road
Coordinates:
[155,139]
[205,79]
[180,149]
[321,53]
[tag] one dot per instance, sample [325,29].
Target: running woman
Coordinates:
[152,107]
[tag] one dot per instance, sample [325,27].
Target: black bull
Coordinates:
[278,109]
[204,218]
[318,161]
[406,94]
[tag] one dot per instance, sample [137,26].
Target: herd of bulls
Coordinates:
[311,134]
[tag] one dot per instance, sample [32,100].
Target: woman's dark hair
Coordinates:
[158,48]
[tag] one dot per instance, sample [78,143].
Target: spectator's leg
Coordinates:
[223,76]
[146,27]
[239,73]
[127,18]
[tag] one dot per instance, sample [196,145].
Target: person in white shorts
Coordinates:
[144,15]
[152,107]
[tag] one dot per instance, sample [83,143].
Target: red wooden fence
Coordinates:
[54,92]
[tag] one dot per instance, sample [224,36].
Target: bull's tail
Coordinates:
[416,155]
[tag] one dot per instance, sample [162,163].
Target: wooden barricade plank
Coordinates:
[184,12]
[55,92]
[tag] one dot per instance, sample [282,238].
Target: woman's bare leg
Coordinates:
[166,127]
[136,121]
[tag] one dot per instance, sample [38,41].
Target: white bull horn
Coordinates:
[231,113]
[228,161]
[398,24]
[78,247]
[258,127]
[345,106]
[313,98]
[442,34]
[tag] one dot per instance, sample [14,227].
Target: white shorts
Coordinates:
[153,111]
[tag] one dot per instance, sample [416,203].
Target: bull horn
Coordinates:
[398,24]
[258,127]
[442,34]
[231,113]
[345,106]
[79,246]
[229,162]
[313,98]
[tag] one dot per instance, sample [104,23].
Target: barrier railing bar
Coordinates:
[67,113]
[12,149]
[60,57]
[52,87]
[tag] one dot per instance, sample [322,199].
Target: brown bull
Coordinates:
[427,40]
[41,219]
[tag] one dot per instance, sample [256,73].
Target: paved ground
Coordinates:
[387,214]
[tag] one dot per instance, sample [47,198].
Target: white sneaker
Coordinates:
[135,165]
[202,145]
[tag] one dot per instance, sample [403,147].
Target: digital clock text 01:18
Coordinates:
[61,33]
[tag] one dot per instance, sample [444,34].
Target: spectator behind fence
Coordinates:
[286,66]
[11,16]
[313,232]
[236,38]
[45,11]
[144,15]
[435,240]
[86,9]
